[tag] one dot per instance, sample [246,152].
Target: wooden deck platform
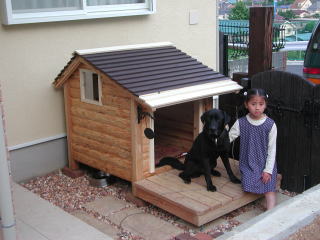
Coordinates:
[192,202]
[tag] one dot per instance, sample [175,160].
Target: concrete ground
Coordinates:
[37,219]
[295,67]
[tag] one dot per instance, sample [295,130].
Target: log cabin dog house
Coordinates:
[113,94]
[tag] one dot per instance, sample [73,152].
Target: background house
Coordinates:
[37,41]
[301,13]
[301,4]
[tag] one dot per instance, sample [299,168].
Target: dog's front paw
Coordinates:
[185,178]
[187,181]
[215,173]
[234,179]
[211,188]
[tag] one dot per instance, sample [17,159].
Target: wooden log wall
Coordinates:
[101,135]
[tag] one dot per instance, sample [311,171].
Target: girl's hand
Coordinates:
[266,177]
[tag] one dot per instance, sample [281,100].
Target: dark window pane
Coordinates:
[95,87]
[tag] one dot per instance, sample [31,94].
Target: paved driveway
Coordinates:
[295,67]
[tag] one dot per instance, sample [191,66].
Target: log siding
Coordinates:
[100,135]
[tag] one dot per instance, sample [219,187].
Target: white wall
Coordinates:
[33,54]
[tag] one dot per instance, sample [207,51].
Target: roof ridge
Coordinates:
[122,47]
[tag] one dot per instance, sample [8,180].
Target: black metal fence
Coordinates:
[238,36]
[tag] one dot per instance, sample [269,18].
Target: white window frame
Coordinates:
[87,12]
[82,87]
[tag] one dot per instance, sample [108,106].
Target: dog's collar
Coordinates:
[226,127]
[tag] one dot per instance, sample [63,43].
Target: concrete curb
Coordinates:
[282,221]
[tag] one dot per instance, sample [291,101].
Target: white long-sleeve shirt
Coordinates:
[272,144]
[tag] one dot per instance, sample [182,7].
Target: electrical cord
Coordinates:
[232,147]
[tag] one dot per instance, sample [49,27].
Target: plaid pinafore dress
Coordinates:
[253,155]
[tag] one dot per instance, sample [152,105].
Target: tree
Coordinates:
[239,12]
[317,15]
[285,2]
[309,26]
[288,15]
[268,3]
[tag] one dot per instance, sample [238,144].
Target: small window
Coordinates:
[90,87]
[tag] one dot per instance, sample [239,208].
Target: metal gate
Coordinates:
[294,104]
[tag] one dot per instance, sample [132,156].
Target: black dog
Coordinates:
[211,143]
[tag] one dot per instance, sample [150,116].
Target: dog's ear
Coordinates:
[227,118]
[203,117]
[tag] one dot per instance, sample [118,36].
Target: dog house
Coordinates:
[115,96]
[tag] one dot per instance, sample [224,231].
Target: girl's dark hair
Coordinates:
[242,111]
[255,92]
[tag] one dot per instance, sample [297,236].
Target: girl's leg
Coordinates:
[270,199]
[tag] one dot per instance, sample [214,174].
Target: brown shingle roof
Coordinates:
[150,70]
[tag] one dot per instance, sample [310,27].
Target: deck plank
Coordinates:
[227,208]
[143,191]
[223,184]
[218,196]
[234,166]
[193,192]
[192,202]
[177,195]
[165,193]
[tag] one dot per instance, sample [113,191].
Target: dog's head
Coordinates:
[214,122]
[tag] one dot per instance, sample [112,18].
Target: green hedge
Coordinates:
[296,55]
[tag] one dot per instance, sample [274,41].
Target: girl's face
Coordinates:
[256,106]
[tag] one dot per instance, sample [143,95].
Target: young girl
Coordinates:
[258,135]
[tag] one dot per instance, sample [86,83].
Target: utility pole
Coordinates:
[8,223]
[260,39]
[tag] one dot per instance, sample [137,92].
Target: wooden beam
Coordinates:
[208,103]
[136,143]
[66,73]
[151,148]
[198,110]
[260,38]
[67,106]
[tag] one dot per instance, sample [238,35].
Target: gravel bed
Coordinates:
[309,232]
[72,194]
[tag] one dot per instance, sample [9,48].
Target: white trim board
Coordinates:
[187,94]
[122,48]
[35,142]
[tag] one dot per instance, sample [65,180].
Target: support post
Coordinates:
[223,54]
[136,144]
[151,147]
[260,39]
[73,170]
[8,223]
[198,109]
